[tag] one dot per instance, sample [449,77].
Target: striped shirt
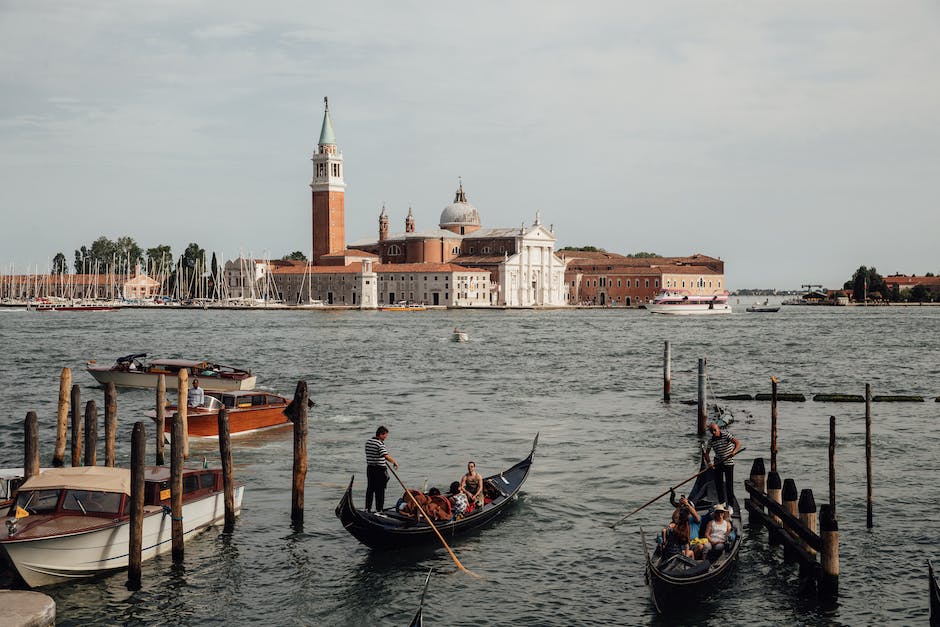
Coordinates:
[375,452]
[723,447]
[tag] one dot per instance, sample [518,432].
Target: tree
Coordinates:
[865,282]
[643,255]
[59,264]
[295,256]
[920,293]
[584,249]
[193,256]
[159,259]
[106,256]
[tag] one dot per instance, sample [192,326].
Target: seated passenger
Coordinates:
[471,484]
[717,531]
[458,499]
[438,508]
[675,537]
[407,503]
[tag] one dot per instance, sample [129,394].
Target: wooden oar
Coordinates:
[428,520]
[653,500]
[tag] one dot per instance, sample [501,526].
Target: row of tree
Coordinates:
[867,285]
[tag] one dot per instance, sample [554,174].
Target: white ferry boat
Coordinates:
[684,303]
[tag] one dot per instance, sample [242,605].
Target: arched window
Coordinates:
[455,250]
[394,249]
[485,250]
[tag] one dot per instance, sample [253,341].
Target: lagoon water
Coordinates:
[590,381]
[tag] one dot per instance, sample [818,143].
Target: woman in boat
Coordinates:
[471,484]
[458,499]
[676,536]
[717,532]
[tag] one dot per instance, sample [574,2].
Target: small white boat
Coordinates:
[683,303]
[69,523]
[131,372]
[762,308]
[460,336]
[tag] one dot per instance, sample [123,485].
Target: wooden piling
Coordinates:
[91,434]
[829,557]
[773,424]
[176,488]
[774,489]
[30,445]
[807,509]
[135,543]
[62,421]
[759,479]
[702,408]
[182,405]
[789,496]
[869,521]
[832,464]
[76,410]
[667,372]
[161,418]
[228,484]
[297,412]
[110,423]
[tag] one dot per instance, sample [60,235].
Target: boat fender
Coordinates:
[168,511]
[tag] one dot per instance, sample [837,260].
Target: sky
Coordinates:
[796,141]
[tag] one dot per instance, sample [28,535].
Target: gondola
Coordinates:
[387,529]
[676,580]
[934,597]
[418,620]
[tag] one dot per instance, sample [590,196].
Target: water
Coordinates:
[589,381]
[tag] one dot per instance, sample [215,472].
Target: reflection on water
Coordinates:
[589,381]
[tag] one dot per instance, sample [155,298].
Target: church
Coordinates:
[458,264]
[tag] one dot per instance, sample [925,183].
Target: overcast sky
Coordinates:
[796,141]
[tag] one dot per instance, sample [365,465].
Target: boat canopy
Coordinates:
[180,363]
[97,478]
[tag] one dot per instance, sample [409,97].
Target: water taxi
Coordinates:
[248,411]
[132,372]
[403,306]
[684,303]
[69,523]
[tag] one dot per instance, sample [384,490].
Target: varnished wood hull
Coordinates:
[205,424]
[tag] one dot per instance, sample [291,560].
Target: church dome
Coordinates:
[460,212]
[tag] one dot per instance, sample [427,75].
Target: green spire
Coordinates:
[327,138]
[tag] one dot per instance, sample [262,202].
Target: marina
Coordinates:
[555,536]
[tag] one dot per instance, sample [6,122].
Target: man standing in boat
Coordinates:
[377,458]
[196,395]
[726,446]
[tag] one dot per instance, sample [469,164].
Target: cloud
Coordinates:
[232,30]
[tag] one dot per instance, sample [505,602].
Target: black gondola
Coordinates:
[388,529]
[676,580]
[934,597]
[418,620]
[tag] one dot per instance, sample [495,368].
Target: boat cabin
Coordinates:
[241,399]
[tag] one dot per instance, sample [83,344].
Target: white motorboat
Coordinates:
[762,308]
[130,371]
[69,523]
[460,336]
[684,303]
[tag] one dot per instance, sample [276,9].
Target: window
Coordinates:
[485,250]
[656,283]
[647,282]
[207,481]
[92,501]
[38,501]
[190,483]
[618,282]
[394,249]
[683,284]
[455,250]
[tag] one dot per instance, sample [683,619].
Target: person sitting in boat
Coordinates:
[458,500]
[675,537]
[196,395]
[717,532]
[472,484]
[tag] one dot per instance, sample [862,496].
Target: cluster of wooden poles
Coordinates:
[70,399]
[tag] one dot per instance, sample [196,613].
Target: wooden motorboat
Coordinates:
[69,523]
[676,581]
[133,372]
[388,529]
[934,597]
[248,411]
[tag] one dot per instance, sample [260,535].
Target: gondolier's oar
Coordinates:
[427,519]
[653,500]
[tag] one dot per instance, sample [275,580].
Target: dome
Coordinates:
[460,212]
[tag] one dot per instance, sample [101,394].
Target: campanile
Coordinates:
[329,190]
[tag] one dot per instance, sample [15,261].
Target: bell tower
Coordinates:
[329,190]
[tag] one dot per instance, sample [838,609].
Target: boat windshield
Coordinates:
[212,403]
[89,501]
[38,501]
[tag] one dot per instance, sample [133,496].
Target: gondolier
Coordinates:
[377,458]
[725,447]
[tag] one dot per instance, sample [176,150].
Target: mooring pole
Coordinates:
[759,479]
[702,411]
[228,485]
[789,496]
[773,424]
[807,508]
[774,489]
[829,532]
[110,423]
[62,421]
[667,372]
[76,411]
[161,417]
[298,413]
[832,464]
[135,543]
[869,520]
[182,406]
[176,488]
[91,434]
[30,445]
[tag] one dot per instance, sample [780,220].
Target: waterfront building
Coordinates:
[140,287]
[900,282]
